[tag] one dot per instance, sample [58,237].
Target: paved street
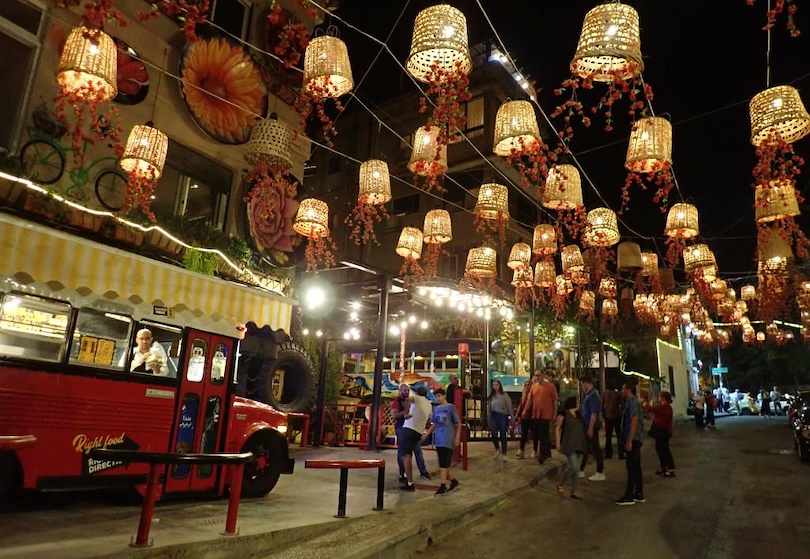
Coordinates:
[740,492]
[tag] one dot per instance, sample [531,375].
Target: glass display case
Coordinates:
[33,328]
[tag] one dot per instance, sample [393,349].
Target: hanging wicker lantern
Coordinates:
[719,289]
[438,227]
[628,257]
[327,70]
[778,109]
[375,182]
[609,308]
[579,277]
[544,240]
[587,301]
[572,259]
[493,202]
[563,188]
[544,274]
[481,262]
[740,307]
[563,285]
[760,336]
[609,44]
[312,219]
[145,152]
[515,127]
[520,256]
[775,201]
[410,243]
[682,221]
[601,229]
[523,277]
[270,141]
[607,287]
[748,293]
[649,264]
[88,65]
[424,159]
[774,246]
[700,259]
[439,38]
[650,147]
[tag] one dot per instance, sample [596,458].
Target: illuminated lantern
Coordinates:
[438,227]
[327,70]
[88,65]
[601,229]
[375,182]
[515,127]
[650,147]
[682,221]
[481,262]
[427,156]
[440,39]
[609,44]
[493,202]
[778,109]
[609,308]
[544,240]
[523,277]
[145,152]
[544,274]
[312,219]
[587,301]
[520,256]
[563,188]
[775,201]
[607,287]
[410,243]
[649,264]
[572,259]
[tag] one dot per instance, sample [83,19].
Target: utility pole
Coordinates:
[384,285]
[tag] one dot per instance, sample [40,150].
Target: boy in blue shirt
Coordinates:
[446,429]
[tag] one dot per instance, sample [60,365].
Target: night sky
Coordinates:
[705,59]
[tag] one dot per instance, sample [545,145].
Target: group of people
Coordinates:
[710,401]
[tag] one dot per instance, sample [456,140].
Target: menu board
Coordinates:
[99,351]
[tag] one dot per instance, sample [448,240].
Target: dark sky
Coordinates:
[704,59]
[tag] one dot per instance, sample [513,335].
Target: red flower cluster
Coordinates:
[292,36]
[493,230]
[320,253]
[140,189]
[98,12]
[361,221]
[190,13]
[532,162]
[779,7]
[449,90]
[314,98]
[661,177]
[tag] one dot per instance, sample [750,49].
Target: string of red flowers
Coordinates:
[431,255]
[779,7]
[449,89]
[320,252]
[660,177]
[411,272]
[291,36]
[532,161]
[427,174]
[190,13]
[95,13]
[140,190]
[573,221]
[492,229]
[313,98]
[361,222]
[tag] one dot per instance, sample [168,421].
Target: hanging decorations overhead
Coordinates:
[628,257]
[491,214]
[563,193]
[481,262]
[699,260]
[312,222]
[515,127]
[409,247]
[438,230]
[681,226]
[374,194]
[87,66]
[649,160]
[143,158]
[428,158]
[601,229]
[778,110]
[609,45]
[544,240]
[270,141]
[519,256]
[545,274]
[775,201]
[571,259]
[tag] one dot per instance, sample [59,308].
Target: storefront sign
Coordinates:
[168,312]
[717,371]
[84,444]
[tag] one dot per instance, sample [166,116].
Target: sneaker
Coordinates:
[425,475]
[598,476]
[581,475]
[408,487]
[625,501]
[668,473]
[503,458]
[534,455]
[403,480]
[442,490]
[639,498]
[519,454]
[453,484]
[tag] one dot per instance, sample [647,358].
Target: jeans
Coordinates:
[595,449]
[710,415]
[498,423]
[417,454]
[699,418]
[542,434]
[664,453]
[635,485]
[613,425]
[571,471]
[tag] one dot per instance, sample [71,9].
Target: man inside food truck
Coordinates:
[148,356]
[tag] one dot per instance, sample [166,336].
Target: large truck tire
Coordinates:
[288,383]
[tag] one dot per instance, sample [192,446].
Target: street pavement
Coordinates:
[740,492]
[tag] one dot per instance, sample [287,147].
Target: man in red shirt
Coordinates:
[540,409]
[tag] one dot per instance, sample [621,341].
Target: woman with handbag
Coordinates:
[661,430]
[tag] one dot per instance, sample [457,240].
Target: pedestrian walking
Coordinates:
[592,421]
[446,428]
[700,404]
[541,409]
[612,411]
[398,410]
[765,406]
[776,398]
[525,424]
[572,443]
[710,405]
[661,431]
[500,410]
[419,410]
[633,434]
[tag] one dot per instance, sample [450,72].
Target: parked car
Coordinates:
[801,432]
[799,401]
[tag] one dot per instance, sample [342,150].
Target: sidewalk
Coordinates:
[295,520]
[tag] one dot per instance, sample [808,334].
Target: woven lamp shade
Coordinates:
[587,301]
[650,146]
[481,262]
[748,293]
[270,142]
[375,182]
[440,38]
[563,188]
[523,277]
[601,229]
[89,64]
[438,227]
[719,289]
[410,243]
[649,264]
[425,150]
[609,308]
[778,109]
[145,152]
[520,256]
[493,201]
[544,274]
[327,70]
[774,246]
[628,257]
[312,219]
[775,201]
[563,285]
[699,257]
[682,221]
[515,127]
[544,240]
[607,287]
[609,43]
[571,258]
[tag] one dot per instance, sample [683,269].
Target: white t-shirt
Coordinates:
[419,413]
[156,353]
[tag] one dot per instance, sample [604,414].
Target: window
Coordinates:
[33,328]
[101,339]
[219,363]
[169,339]
[196,362]
[232,15]
[20,23]
[405,205]
[194,187]
[475,117]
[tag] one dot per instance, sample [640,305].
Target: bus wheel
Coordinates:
[10,475]
[262,474]
[288,383]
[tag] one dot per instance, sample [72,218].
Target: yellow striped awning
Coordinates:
[38,255]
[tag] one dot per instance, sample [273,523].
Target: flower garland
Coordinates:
[313,99]
[190,13]
[781,6]
[427,174]
[573,221]
[411,272]
[361,221]
[533,161]
[430,259]
[660,177]
[450,90]
[292,36]
[493,230]
[140,191]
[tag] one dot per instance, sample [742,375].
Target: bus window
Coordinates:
[100,339]
[196,363]
[164,351]
[218,363]
[33,328]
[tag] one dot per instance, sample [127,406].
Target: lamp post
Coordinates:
[384,285]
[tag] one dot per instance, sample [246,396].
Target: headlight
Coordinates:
[282,429]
